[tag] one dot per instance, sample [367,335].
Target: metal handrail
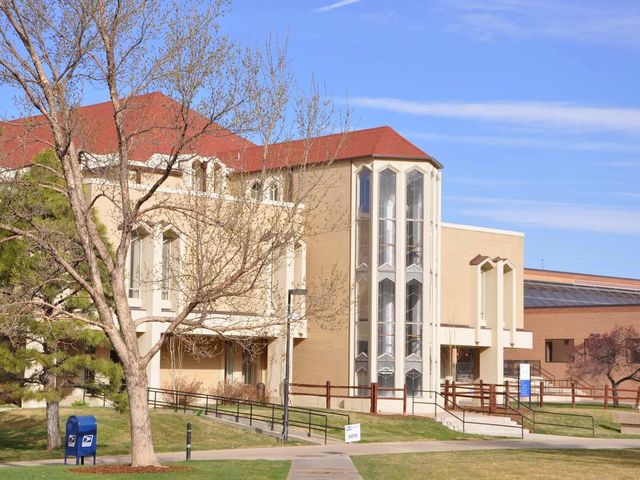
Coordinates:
[464,412]
[542,412]
[315,421]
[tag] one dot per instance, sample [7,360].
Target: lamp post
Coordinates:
[285,423]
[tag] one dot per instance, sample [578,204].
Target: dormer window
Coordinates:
[199,176]
[274,191]
[255,191]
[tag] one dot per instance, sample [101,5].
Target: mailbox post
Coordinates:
[80,438]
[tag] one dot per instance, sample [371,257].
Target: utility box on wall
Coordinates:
[80,439]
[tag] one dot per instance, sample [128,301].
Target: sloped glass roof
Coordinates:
[546,294]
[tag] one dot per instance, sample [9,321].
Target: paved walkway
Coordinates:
[332,461]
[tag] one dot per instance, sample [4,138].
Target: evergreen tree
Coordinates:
[45,350]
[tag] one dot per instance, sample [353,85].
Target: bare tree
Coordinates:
[614,355]
[51,51]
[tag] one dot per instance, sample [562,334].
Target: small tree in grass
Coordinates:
[614,355]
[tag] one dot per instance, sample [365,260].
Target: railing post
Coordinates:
[606,396]
[492,398]
[573,394]
[482,395]
[238,411]
[251,414]
[373,396]
[273,418]
[637,405]
[155,398]
[541,399]
[328,395]
[453,394]
[446,393]
[404,400]
[506,393]
[206,405]
[309,433]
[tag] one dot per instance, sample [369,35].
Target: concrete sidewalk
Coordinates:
[532,441]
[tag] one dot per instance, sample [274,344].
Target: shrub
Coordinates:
[184,385]
[79,404]
[237,391]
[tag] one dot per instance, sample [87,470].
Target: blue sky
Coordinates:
[533,106]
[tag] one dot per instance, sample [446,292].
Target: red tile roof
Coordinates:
[381,142]
[154,116]
[155,119]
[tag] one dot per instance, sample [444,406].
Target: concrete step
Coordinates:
[499,426]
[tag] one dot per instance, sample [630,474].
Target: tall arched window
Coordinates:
[415,213]
[413,379]
[255,191]
[413,319]
[363,220]
[386,318]
[387,218]
[135,258]
[169,256]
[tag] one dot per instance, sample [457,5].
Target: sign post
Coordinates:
[525,381]
[352,433]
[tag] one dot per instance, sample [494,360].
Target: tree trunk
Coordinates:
[615,395]
[142,452]
[53,425]
[52,413]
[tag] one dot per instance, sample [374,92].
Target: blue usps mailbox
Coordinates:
[80,438]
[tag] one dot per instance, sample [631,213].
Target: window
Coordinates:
[415,214]
[633,350]
[386,318]
[413,381]
[218,179]
[229,360]
[413,319]
[363,220]
[363,328]
[255,192]
[558,350]
[274,192]
[134,265]
[386,379]
[362,380]
[199,176]
[248,368]
[168,255]
[387,219]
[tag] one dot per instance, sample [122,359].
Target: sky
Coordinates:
[531,105]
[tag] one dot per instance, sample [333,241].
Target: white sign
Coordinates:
[72,441]
[87,440]
[352,433]
[525,371]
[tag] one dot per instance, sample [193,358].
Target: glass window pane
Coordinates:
[387,216]
[386,318]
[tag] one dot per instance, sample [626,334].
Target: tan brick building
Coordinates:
[422,300]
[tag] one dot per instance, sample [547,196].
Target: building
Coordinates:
[562,309]
[421,300]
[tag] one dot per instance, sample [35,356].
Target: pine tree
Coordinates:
[44,349]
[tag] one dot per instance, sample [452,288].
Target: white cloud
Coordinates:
[333,6]
[538,142]
[541,114]
[576,21]
[550,215]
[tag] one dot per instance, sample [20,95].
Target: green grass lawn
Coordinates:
[503,465]
[605,426]
[23,437]
[399,428]
[219,469]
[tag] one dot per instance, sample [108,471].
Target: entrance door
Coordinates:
[465,366]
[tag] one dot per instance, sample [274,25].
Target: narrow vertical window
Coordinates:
[386,318]
[134,266]
[363,220]
[387,219]
[415,214]
[363,318]
[413,319]
[168,247]
[255,192]
[274,192]
[413,380]
[229,360]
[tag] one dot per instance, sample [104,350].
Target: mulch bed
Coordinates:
[126,469]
